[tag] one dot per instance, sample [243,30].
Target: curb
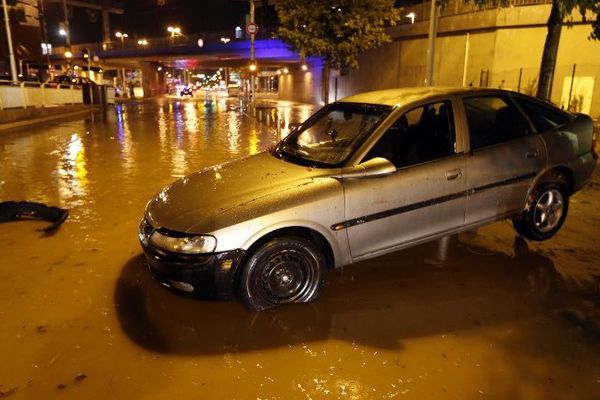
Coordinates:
[48,118]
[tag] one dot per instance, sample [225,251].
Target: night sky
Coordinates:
[150,18]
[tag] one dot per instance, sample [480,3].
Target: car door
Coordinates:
[424,197]
[504,159]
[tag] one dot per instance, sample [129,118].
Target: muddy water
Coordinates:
[81,318]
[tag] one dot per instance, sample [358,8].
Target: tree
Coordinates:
[562,9]
[337,30]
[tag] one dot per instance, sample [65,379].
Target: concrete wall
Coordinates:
[507,42]
[302,86]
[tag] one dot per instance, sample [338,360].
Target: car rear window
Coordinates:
[544,118]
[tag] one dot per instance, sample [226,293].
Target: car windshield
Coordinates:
[332,134]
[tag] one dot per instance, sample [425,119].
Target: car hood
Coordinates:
[198,200]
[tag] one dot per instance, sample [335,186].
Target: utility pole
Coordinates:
[45,32]
[105,22]
[431,46]
[11,54]
[66,17]
[252,58]
[466,62]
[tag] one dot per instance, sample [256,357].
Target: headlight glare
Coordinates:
[196,244]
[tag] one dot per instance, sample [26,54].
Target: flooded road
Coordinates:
[81,318]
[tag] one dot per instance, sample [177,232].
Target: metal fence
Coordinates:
[421,11]
[574,87]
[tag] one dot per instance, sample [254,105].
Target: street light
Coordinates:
[174,31]
[121,36]
[62,32]
[142,42]
[252,66]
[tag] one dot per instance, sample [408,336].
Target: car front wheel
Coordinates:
[546,209]
[284,270]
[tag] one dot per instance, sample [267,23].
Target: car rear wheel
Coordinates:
[284,270]
[546,208]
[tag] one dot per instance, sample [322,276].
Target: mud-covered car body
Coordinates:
[434,162]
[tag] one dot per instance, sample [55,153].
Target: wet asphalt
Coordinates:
[484,315]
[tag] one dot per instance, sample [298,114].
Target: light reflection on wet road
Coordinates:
[82,318]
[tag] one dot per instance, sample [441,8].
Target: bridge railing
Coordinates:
[30,94]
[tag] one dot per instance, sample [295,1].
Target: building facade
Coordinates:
[497,47]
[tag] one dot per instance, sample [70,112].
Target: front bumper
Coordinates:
[209,276]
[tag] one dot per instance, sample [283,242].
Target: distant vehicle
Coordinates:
[186,91]
[365,176]
[82,80]
[59,80]
[64,80]
[29,78]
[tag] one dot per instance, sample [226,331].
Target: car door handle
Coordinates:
[453,174]
[532,153]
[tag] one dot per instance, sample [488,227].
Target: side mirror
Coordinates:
[374,167]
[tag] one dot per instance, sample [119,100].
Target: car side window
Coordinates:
[544,118]
[422,134]
[493,120]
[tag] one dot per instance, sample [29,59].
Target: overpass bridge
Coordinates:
[189,54]
[154,57]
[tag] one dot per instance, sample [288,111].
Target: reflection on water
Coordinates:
[233,136]
[72,173]
[191,118]
[254,141]
[132,151]
[125,139]
[468,289]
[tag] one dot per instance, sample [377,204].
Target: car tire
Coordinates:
[546,208]
[284,270]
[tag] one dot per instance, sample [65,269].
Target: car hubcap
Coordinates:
[548,210]
[285,277]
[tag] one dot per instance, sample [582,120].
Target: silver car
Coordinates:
[365,176]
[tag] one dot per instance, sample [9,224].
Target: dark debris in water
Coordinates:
[7,392]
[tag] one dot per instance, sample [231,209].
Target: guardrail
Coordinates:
[33,94]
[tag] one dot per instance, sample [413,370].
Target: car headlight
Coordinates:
[194,244]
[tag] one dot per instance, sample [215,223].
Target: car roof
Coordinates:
[401,96]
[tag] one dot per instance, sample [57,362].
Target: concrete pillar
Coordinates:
[153,80]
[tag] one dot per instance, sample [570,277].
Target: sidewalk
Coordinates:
[16,118]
